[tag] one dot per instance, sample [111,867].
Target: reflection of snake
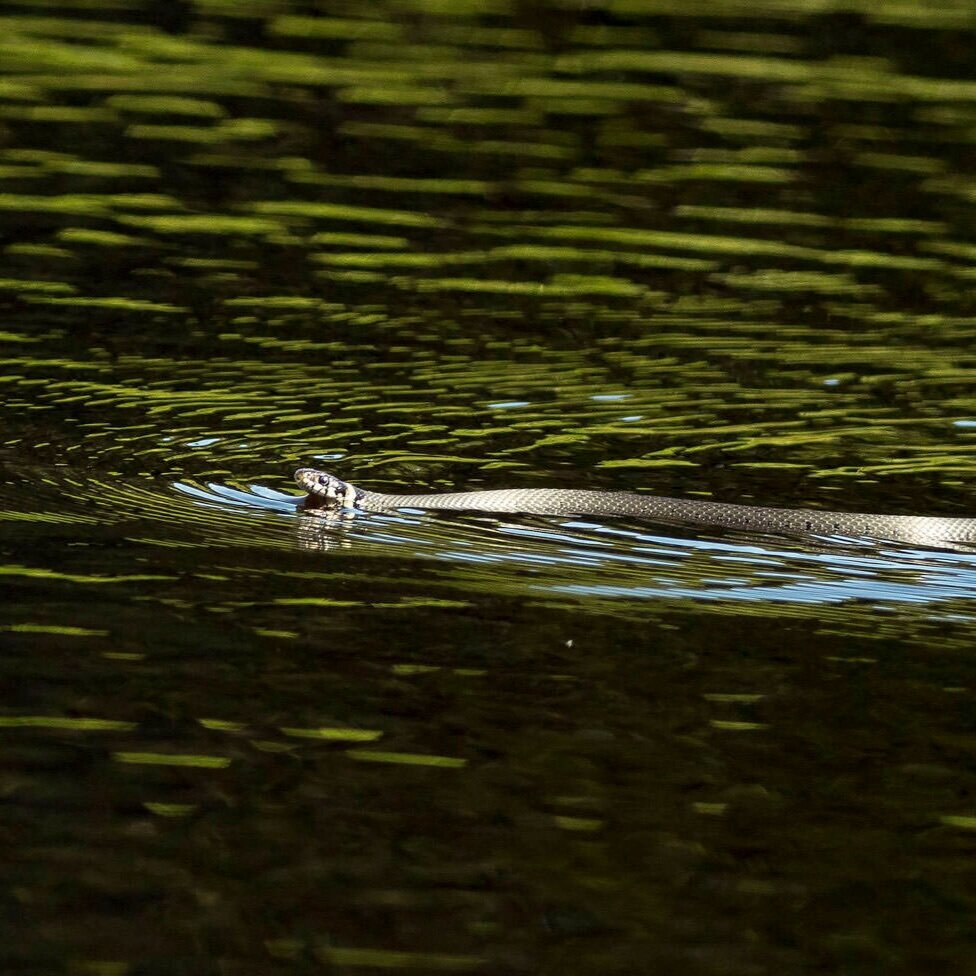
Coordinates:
[919,529]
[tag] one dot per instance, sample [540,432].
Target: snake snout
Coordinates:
[321,484]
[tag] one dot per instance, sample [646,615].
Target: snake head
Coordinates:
[327,487]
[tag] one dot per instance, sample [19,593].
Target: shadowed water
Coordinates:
[718,251]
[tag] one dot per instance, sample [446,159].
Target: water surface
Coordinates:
[716,250]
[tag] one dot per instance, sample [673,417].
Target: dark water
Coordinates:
[711,249]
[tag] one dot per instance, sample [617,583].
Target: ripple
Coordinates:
[593,560]
[207,514]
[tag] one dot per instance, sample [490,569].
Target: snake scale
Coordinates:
[924,530]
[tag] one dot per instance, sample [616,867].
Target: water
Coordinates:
[709,250]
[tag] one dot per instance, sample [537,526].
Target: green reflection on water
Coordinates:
[406,758]
[61,723]
[168,759]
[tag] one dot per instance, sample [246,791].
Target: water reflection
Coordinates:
[551,559]
[215,495]
[602,559]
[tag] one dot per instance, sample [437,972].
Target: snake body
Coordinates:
[921,530]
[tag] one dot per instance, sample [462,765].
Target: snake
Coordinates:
[326,490]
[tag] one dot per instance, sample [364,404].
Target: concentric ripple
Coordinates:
[558,559]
